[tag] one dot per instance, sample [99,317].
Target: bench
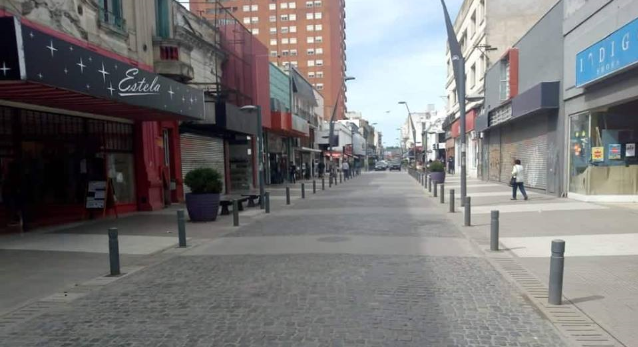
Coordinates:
[251,199]
[224,202]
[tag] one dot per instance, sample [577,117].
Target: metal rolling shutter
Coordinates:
[527,141]
[494,154]
[202,151]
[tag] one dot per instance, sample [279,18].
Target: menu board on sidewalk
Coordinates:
[96,195]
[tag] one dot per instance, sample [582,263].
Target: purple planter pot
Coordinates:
[437,177]
[202,207]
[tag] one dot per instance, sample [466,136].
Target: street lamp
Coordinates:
[334,116]
[413,130]
[260,136]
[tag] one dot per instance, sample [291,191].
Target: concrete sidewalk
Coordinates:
[601,267]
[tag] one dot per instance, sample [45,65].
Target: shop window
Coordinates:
[121,172]
[603,152]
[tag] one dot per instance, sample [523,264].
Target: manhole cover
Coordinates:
[333,239]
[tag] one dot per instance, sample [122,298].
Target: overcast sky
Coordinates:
[396,52]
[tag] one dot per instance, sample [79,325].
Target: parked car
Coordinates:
[395,166]
[381,166]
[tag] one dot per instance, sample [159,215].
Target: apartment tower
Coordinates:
[307,34]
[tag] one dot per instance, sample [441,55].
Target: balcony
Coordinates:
[172,58]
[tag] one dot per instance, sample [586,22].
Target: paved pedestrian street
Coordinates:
[370,262]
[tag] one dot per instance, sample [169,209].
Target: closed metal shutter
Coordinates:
[527,141]
[494,154]
[202,151]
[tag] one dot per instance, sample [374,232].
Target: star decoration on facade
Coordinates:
[51,48]
[88,86]
[31,34]
[65,70]
[104,73]
[110,88]
[183,99]
[40,75]
[81,65]
[4,68]
[90,58]
[71,48]
[171,92]
[191,100]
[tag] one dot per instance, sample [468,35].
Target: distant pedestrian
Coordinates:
[321,166]
[346,169]
[450,165]
[293,173]
[518,179]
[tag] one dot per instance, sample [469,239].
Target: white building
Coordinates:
[485,29]
[427,126]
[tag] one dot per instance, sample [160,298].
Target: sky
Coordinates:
[396,51]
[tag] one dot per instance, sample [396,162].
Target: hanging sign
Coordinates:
[615,152]
[598,154]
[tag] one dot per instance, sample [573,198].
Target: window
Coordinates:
[285,53]
[318,3]
[319,62]
[319,86]
[283,5]
[310,15]
[273,30]
[273,53]
[481,10]
[292,5]
[246,20]
[293,17]
[163,26]
[273,42]
[254,19]
[255,31]
[472,76]
[110,12]
[272,19]
[481,67]
[284,41]
[254,8]
[319,51]
[311,63]
[308,4]
[310,39]
[318,27]
[319,74]
[504,88]
[310,51]
[272,7]
[294,63]
[293,40]
[246,8]
[293,29]
[293,52]
[311,75]
[284,17]
[453,98]
[318,15]
[284,30]
[310,27]
[463,41]
[319,39]
[473,24]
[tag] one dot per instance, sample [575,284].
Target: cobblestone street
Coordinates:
[341,290]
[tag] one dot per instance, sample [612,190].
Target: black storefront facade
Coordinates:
[71,114]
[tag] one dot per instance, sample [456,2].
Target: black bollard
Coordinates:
[235,213]
[442,193]
[114,252]
[494,231]
[314,187]
[451,200]
[323,183]
[468,211]
[303,190]
[287,195]
[267,201]
[181,228]
[436,188]
[556,269]
[430,186]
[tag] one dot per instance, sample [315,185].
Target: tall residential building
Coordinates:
[308,34]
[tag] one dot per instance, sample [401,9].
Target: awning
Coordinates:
[44,67]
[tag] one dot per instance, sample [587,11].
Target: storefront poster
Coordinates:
[630,150]
[615,152]
[598,154]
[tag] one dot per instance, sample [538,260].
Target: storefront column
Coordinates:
[147,162]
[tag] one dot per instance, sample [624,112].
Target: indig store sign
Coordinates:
[614,53]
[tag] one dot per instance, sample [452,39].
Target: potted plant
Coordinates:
[202,202]
[437,172]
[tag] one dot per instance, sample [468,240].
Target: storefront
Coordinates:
[73,118]
[602,124]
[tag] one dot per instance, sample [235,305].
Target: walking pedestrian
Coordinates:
[346,169]
[518,179]
[321,166]
[450,165]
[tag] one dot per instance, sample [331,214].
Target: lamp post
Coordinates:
[260,154]
[413,131]
[333,118]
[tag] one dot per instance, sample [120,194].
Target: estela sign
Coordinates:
[614,53]
[128,86]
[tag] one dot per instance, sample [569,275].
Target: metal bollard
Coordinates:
[267,201]
[330,181]
[451,200]
[314,187]
[494,231]
[425,182]
[235,213]
[323,183]
[287,195]
[340,177]
[556,268]
[436,187]
[442,193]
[430,186]
[114,252]
[181,228]
[468,211]
[303,190]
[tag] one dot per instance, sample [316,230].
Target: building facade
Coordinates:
[600,91]
[485,30]
[307,34]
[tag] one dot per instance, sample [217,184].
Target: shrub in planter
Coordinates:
[437,171]
[202,202]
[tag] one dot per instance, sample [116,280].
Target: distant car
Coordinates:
[395,166]
[381,166]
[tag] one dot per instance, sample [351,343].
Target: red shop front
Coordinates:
[64,127]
